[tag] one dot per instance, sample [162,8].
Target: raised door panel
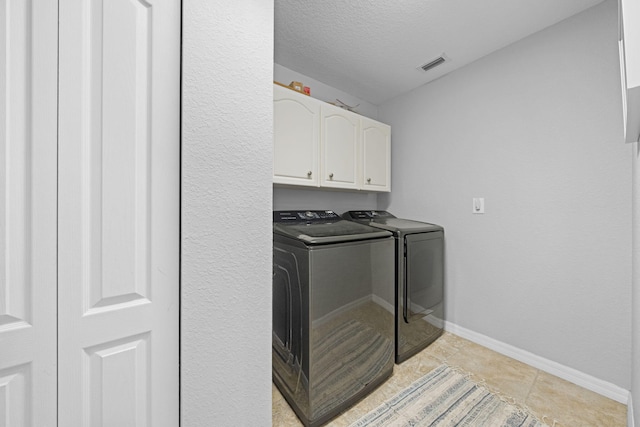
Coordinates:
[376,154]
[629,50]
[28,79]
[118,387]
[119,212]
[340,140]
[296,137]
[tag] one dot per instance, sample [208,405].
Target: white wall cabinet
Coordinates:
[339,148]
[296,136]
[376,155]
[629,45]
[320,145]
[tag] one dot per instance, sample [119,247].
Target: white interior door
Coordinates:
[118,212]
[28,114]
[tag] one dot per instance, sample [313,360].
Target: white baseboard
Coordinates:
[574,376]
[630,420]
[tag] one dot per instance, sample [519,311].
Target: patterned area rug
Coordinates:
[446,397]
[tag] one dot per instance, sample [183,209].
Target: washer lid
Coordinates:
[325,227]
[387,221]
[404,225]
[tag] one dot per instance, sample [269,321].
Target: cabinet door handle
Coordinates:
[368,180]
[309,174]
[331,176]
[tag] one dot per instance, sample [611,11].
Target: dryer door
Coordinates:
[423,275]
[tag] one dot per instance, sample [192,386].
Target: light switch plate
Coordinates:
[478,205]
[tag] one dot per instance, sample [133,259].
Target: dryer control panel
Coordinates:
[367,215]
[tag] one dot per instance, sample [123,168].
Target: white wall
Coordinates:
[339,201]
[226,213]
[635,326]
[535,129]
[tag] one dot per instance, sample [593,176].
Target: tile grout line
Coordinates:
[526,398]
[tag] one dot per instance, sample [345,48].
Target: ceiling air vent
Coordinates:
[433,63]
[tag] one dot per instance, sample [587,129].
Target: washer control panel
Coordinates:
[305,216]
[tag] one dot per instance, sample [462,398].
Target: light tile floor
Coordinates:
[548,397]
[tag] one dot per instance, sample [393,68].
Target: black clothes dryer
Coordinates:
[419,283]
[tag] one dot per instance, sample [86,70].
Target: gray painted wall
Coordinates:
[535,129]
[227,147]
[338,201]
[324,92]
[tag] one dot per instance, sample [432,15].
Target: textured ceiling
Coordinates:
[372,48]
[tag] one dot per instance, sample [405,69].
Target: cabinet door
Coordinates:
[376,155]
[28,129]
[118,241]
[296,120]
[340,142]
